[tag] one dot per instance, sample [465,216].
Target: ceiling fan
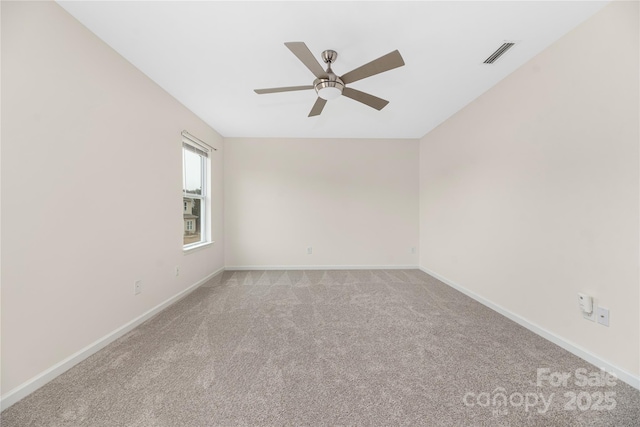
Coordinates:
[329,86]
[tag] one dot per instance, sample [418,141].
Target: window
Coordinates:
[195,196]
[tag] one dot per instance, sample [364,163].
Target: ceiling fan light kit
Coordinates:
[329,86]
[328,90]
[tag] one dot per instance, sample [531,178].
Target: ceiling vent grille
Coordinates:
[498,53]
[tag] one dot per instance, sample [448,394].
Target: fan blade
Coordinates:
[282,89]
[384,63]
[317,107]
[365,98]
[303,53]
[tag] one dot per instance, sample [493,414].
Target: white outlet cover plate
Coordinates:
[603,316]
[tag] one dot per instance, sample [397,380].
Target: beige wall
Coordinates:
[91,191]
[354,201]
[530,194]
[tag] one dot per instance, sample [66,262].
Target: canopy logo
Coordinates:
[571,400]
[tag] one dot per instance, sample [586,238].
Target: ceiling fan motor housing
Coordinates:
[329,88]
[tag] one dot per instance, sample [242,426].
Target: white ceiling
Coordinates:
[211,55]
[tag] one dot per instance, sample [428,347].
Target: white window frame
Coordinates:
[205,197]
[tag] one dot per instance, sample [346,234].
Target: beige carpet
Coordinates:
[374,347]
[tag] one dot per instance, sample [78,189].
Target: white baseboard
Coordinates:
[44,377]
[627,377]
[321,267]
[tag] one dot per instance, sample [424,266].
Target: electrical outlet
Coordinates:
[603,316]
[309,250]
[137,287]
[177,271]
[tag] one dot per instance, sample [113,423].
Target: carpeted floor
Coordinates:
[365,347]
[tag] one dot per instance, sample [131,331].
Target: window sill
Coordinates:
[196,248]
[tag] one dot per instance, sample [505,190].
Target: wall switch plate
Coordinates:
[413,250]
[603,316]
[309,250]
[177,271]
[137,287]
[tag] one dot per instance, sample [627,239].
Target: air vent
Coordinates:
[498,53]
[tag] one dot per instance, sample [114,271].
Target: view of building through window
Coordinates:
[191,216]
